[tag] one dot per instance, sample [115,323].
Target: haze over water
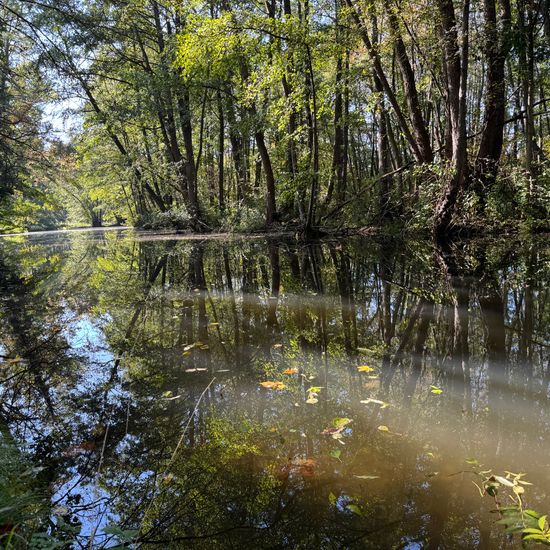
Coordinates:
[273,394]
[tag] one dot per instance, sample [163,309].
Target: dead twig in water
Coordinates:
[174,454]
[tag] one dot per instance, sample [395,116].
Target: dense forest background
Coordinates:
[431,115]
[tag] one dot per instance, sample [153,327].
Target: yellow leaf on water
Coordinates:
[365,368]
[383,428]
[383,404]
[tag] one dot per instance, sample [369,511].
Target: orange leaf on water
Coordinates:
[290,371]
[269,385]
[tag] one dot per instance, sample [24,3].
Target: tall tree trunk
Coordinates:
[271,208]
[221,155]
[456,72]
[496,47]
[415,139]
[420,131]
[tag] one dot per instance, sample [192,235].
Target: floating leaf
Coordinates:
[382,404]
[365,368]
[270,385]
[355,509]
[435,390]
[290,371]
[312,400]
[315,389]
[383,428]
[335,433]
[341,422]
[172,398]
[335,453]
[367,477]
[332,498]
[303,466]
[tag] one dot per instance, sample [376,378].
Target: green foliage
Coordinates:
[175,218]
[516,519]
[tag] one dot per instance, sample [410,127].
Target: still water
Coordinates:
[252,393]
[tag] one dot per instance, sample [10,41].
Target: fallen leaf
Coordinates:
[334,432]
[171,398]
[290,371]
[365,368]
[341,422]
[269,385]
[382,404]
[383,428]
[355,509]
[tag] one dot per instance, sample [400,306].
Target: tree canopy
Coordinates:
[299,113]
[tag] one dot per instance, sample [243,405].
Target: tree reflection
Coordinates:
[107,344]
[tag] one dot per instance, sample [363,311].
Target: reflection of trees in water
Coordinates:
[178,313]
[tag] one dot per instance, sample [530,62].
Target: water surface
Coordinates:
[132,369]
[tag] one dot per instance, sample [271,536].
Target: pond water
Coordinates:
[252,393]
